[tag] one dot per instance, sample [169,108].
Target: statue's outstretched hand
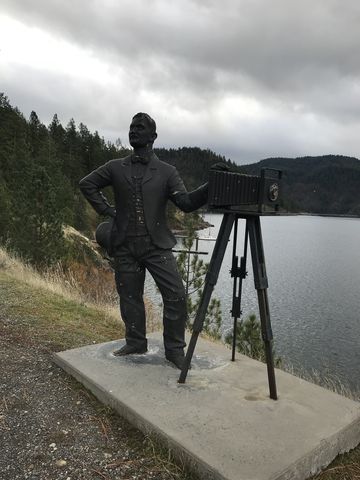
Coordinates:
[220,166]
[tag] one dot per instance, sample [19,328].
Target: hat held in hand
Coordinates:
[103,234]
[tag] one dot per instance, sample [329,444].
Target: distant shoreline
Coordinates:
[336,215]
[294,214]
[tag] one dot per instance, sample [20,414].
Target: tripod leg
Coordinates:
[235,311]
[210,282]
[261,285]
[238,273]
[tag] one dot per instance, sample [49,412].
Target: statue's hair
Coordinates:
[149,120]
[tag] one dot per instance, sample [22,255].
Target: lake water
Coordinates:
[313,267]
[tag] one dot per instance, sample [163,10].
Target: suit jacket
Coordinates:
[161,182]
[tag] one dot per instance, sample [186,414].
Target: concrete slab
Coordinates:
[221,422]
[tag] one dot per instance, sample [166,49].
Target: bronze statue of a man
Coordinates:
[140,238]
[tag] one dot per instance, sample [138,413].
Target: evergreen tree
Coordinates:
[5,212]
[39,209]
[37,134]
[249,340]
[72,164]
[13,136]
[193,270]
[57,134]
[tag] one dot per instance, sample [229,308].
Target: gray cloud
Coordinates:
[297,63]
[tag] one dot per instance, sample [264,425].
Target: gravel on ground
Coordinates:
[52,428]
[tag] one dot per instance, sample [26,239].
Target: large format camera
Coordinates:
[240,196]
[246,194]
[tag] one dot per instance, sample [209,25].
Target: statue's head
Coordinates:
[142,131]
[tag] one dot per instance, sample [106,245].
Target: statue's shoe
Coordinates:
[129,350]
[177,361]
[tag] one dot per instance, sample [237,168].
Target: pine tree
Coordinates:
[40,210]
[13,144]
[72,158]
[249,340]
[37,134]
[57,134]
[5,212]
[193,270]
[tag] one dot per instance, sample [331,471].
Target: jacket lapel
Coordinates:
[127,169]
[150,168]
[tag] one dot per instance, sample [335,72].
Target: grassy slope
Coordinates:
[40,316]
[51,319]
[33,314]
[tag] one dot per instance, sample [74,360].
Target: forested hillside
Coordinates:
[193,163]
[329,184]
[40,168]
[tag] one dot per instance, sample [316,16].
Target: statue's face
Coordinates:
[140,133]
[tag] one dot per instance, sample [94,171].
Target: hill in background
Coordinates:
[328,184]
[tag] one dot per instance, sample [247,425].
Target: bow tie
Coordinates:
[137,159]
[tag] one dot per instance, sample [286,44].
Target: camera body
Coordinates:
[245,194]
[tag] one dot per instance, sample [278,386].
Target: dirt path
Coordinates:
[52,428]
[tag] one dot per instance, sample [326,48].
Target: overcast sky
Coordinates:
[248,79]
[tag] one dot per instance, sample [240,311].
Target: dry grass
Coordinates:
[86,285]
[61,307]
[344,467]
[34,316]
[332,383]
[51,281]
[345,472]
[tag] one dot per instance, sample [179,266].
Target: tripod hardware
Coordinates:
[241,273]
[236,271]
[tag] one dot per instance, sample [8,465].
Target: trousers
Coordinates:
[131,260]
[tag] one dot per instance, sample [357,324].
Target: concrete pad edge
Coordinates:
[181,454]
[317,459]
